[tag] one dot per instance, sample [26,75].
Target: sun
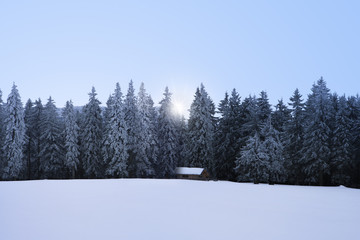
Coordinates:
[178,108]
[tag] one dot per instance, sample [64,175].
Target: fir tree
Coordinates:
[71,133]
[14,136]
[117,136]
[52,152]
[92,138]
[201,129]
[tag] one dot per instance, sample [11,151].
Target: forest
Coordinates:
[312,141]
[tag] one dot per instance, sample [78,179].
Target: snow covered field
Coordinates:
[175,209]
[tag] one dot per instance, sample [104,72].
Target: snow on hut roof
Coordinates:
[189,171]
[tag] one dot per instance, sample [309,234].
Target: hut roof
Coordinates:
[189,171]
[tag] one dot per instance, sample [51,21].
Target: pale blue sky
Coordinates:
[62,48]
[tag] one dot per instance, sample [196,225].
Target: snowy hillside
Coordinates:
[175,209]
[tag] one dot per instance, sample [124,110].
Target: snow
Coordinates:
[175,209]
[189,171]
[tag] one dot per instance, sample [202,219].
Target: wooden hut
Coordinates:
[191,173]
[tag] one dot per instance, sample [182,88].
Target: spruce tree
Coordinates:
[106,150]
[341,144]
[92,130]
[144,164]
[14,136]
[294,137]
[263,107]
[167,138]
[154,146]
[201,127]
[316,152]
[29,149]
[273,148]
[281,116]
[181,128]
[255,113]
[79,116]
[2,133]
[117,136]
[252,164]
[52,153]
[221,137]
[132,124]
[36,132]
[71,133]
[249,118]
[227,136]
[354,116]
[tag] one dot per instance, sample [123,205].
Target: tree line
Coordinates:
[314,141]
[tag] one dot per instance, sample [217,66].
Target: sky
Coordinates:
[63,48]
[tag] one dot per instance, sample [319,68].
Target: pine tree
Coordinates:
[92,130]
[316,152]
[14,136]
[117,136]
[52,152]
[71,133]
[294,139]
[167,138]
[201,127]
[132,124]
